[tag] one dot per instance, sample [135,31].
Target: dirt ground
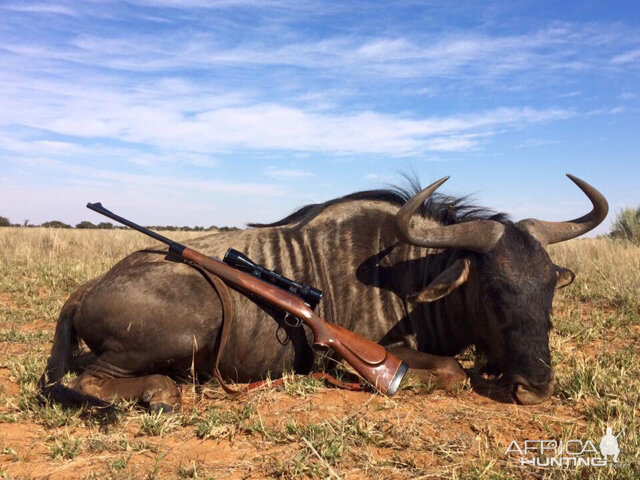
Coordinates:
[417,433]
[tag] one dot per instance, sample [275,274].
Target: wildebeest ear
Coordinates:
[445,283]
[565,276]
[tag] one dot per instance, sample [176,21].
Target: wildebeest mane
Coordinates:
[444,209]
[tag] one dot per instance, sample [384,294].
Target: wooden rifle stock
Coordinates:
[371,360]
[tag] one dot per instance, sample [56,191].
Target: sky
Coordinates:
[194,112]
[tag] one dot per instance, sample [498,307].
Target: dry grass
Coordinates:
[96,250]
[606,270]
[304,429]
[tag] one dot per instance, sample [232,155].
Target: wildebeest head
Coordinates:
[509,283]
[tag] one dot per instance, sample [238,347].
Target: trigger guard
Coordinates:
[293,324]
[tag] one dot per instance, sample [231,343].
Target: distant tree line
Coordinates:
[85,224]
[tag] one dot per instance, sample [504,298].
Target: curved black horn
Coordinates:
[476,235]
[554,232]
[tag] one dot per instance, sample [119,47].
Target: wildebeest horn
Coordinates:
[476,235]
[554,232]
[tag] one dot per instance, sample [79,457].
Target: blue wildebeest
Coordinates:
[425,275]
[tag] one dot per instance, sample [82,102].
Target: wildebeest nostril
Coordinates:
[528,393]
[528,384]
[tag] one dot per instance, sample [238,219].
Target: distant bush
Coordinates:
[4,222]
[627,225]
[105,225]
[55,224]
[162,227]
[190,229]
[85,224]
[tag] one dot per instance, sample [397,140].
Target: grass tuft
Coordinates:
[66,447]
[158,424]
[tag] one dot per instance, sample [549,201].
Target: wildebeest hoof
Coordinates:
[160,407]
[449,374]
[447,379]
[451,380]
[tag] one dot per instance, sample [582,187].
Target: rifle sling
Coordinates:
[223,293]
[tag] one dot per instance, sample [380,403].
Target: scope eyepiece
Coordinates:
[311,295]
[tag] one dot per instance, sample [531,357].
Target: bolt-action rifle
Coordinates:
[371,360]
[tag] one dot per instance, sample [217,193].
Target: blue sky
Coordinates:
[198,113]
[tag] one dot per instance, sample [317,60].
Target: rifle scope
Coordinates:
[239,260]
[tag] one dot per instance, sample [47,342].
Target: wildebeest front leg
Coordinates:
[158,391]
[446,372]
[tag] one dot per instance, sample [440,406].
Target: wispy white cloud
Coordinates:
[126,180]
[426,91]
[536,142]
[605,111]
[450,144]
[40,8]
[575,93]
[462,55]
[627,57]
[166,126]
[28,145]
[287,173]
[209,4]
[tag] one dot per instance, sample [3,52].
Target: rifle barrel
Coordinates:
[174,247]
